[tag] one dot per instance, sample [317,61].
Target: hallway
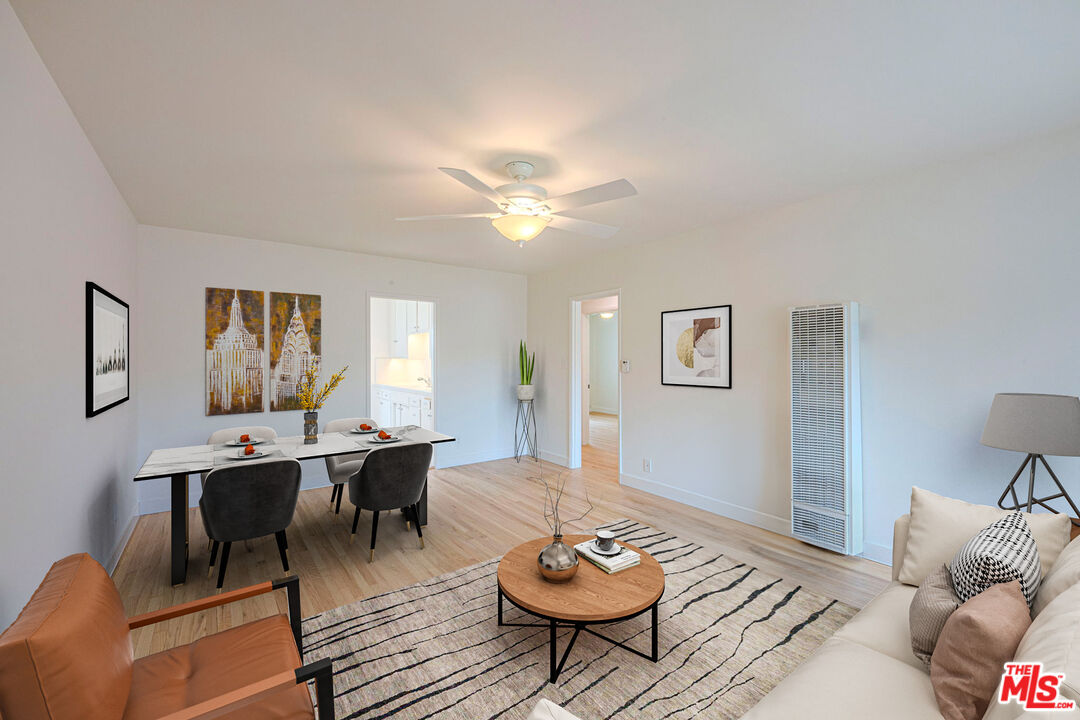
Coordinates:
[602,451]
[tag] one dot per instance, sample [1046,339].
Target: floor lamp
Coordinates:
[1038,425]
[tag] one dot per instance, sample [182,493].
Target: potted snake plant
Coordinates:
[526,390]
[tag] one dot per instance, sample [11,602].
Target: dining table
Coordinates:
[180,462]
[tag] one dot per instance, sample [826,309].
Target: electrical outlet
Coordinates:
[646,464]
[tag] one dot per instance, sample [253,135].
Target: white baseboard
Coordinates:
[121,544]
[773,523]
[555,458]
[878,553]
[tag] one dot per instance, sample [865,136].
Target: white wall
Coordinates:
[480,317]
[67,478]
[604,364]
[967,275]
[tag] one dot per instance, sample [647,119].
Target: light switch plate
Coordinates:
[626,366]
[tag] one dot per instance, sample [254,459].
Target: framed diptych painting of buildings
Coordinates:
[108,350]
[234,351]
[695,347]
[295,343]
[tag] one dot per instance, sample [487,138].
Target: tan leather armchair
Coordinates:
[69,655]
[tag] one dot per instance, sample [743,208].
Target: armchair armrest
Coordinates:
[290,583]
[322,672]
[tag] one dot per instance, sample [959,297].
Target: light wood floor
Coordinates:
[603,446]
[476,512]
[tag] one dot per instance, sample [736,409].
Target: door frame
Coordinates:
[573,454]
[369,381]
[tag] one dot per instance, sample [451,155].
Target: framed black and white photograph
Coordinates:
[695,347]
[108,350]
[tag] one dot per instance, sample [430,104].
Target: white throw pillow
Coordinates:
[1063,575]
[940,526]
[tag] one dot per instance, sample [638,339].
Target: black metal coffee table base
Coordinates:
[555,623]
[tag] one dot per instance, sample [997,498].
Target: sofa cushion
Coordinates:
[1063,575]
[174,679]
[940,526]
[843,679]
[547,710]
[934,602]
[883,625]
[1054,640]
[1001,552]
[979,638]
[69,650]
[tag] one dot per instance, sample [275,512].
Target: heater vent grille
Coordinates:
[826,483]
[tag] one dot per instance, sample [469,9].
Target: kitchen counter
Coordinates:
[417,389]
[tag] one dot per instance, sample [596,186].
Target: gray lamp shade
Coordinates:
[1030,423]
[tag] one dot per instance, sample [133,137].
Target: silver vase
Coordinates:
[558,562]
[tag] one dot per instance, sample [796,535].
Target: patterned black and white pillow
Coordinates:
[1001,552]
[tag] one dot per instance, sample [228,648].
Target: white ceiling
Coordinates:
[319,122]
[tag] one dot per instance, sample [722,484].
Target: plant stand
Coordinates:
[525,432]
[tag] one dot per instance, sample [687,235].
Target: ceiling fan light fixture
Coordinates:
[520,228]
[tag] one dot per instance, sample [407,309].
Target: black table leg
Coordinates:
[421,507]
[179,528]
[554,662]
[656,631]
[500,606]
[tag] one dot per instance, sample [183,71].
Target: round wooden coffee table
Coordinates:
[591,597]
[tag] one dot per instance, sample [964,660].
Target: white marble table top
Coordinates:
[201,458]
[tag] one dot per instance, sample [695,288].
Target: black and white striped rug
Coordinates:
[728,634]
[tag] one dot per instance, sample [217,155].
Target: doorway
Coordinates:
[595,384]
[401,343]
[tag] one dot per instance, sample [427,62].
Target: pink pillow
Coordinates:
[976,642]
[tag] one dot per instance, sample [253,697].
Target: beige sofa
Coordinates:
[547,710]
[867,669]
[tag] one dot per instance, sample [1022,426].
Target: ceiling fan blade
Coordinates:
[584,227]
[469,180]
[590,196]
[450,217]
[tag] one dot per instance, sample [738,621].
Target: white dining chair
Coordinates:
[341,467]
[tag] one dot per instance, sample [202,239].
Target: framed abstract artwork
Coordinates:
[295,343]
[234,351]
[108,350]
[695,347]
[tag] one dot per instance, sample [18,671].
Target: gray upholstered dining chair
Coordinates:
[391,477]
[247,500]
[341,467]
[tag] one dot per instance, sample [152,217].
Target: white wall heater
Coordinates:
[826,434]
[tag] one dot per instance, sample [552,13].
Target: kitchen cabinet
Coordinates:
[398,330]
[418,317]
[394,408]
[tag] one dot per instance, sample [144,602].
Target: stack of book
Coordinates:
[608,563]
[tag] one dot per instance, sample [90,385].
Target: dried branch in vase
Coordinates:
[553,495]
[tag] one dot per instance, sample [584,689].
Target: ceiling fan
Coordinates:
[525,209]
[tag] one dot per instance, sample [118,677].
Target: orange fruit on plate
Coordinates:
[383,435]
[245,438]
[249,450]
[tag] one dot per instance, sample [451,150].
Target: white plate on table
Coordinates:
[379,441]
[358,431]
[607,553]
[257,454]
[238,443]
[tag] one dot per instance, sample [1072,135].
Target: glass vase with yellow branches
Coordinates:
[308,395]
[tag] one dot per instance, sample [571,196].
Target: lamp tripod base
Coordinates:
[1030,462]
